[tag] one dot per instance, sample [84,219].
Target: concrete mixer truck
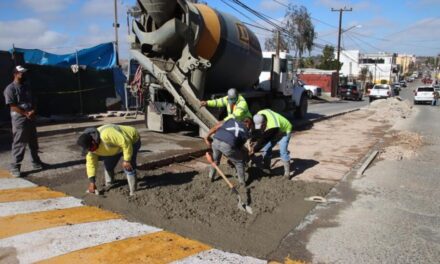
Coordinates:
[189,52]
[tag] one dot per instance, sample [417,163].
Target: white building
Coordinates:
[350,63]
[382,66]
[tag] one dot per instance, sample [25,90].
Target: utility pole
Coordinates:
[333,94]
[116,26]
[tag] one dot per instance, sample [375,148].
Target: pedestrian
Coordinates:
[235,103]
[24,133]
[110,142]
[229,139]
[436,97]
[275,129]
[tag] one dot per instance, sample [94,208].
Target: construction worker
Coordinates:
[229,139]
[110,142]
[235,104]
[18,97]
[276,129]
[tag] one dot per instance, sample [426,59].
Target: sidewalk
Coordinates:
[45,226]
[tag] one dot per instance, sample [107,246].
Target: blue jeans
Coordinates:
[284,151]
[434,102]
[111,161]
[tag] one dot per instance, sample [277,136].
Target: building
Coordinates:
[382,66]
[324,79]
[350,63]
[405,60]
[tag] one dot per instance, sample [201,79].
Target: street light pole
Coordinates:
[333,93]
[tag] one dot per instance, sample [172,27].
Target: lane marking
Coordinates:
[48,243]
[5,174]
[13,183]
[27,194]
[25,207]
[159,247]
[216,256]
[25,223]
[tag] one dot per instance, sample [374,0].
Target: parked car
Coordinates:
[423,94]
[312,90]
[381,91]
[403,84]
[350,91]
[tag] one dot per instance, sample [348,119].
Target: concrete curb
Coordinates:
[173,159]
[45,133]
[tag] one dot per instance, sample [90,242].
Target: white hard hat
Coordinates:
[20,68]
[258,121]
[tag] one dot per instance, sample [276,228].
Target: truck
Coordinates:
[182,53]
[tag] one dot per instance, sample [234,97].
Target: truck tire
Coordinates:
[301,110]
[371,99]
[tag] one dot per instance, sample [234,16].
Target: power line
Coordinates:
[320,21]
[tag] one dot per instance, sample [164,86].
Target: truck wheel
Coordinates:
[371,99]
[301,110]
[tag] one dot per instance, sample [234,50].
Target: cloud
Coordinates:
[98,8]
[46,6]
[29,33]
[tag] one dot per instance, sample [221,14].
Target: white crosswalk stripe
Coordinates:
[47,243]
[13,183]
[215,256]
[23,207]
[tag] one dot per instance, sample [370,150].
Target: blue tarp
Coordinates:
[99,57]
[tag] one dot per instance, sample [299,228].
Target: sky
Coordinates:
[63,26]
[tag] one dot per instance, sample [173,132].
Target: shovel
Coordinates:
[242,206]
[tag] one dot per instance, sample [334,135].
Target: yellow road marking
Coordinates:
[25,223]
[155,248]
[27,194]
[5,174]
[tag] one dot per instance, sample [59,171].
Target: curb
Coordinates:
[173,159]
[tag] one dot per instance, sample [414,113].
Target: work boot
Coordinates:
[109,177]
[211,174]
[39,165]
[266,166]
[15,172]
[132,182]
[286,165]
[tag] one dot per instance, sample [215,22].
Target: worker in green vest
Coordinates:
[275,129]
[235,104]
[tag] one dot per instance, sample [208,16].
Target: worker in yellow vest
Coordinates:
[236,105]
[110,142]
[276,129]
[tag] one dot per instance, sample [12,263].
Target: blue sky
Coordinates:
[61,26]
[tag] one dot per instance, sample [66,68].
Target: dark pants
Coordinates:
[24,133]
[111,161]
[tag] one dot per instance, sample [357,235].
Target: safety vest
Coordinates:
[240,110]
[276,120]
[114,139]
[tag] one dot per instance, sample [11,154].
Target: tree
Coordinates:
[301,29]
[270,44]
[300,32]
[327,59]
[307,63]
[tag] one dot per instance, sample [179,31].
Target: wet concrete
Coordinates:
[185,201]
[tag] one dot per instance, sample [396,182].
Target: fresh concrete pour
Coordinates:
[181,198]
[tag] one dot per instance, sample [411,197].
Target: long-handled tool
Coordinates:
[242,206]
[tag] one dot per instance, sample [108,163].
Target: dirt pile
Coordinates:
[402,145]
[391,108]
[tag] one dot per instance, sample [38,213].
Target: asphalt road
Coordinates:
[334,107]
[391,214]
